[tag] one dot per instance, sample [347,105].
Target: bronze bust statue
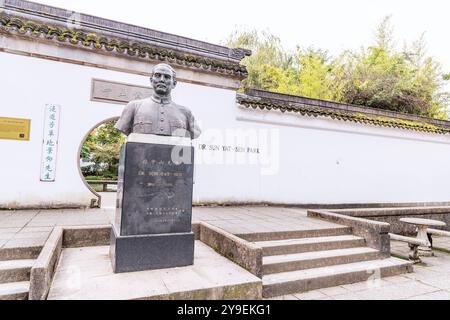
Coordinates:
[158,114]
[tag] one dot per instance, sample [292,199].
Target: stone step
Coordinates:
[20,253]
[14,290]
[296,234]
[305,280]
[287,246]
[317,259]
[15,270]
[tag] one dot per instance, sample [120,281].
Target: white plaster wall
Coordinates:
[323,161]
[29,83]
[320,161]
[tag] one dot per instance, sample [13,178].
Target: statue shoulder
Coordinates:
[183,109]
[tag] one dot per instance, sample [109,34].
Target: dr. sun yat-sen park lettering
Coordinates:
[259,147]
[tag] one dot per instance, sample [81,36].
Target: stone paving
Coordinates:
[23,228]
[431,280]
[32,227]
[86,274]
[243,220]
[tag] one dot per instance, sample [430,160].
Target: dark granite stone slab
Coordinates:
[154,192]
[149,252]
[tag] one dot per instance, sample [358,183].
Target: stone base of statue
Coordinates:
[139,253]
[152,227]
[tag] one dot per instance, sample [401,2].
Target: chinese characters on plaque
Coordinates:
[50,142]
[114,92]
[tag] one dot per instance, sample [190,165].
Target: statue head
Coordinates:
[163,79]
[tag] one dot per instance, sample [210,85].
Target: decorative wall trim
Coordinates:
[87,39]
[264,100]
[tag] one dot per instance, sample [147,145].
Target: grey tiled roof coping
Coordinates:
[299,103]
[124,30]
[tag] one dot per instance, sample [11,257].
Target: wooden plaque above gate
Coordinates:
[116,92]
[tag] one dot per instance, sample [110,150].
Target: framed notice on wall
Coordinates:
[15,129]
[50,143]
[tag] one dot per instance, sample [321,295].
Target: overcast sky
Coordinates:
[327,24]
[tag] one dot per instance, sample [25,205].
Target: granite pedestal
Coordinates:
[152,227]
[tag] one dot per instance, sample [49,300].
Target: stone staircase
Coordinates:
[15,268]
[306,260]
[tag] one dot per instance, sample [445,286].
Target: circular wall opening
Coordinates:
[98,161]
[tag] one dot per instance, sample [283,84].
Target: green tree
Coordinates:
[268,63]
[271,68]
[378,76]
[102,147]
[314,76]
[381,77]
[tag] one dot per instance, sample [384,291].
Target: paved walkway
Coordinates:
[32,227]
[430,280]
[244,220]
[24,228]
